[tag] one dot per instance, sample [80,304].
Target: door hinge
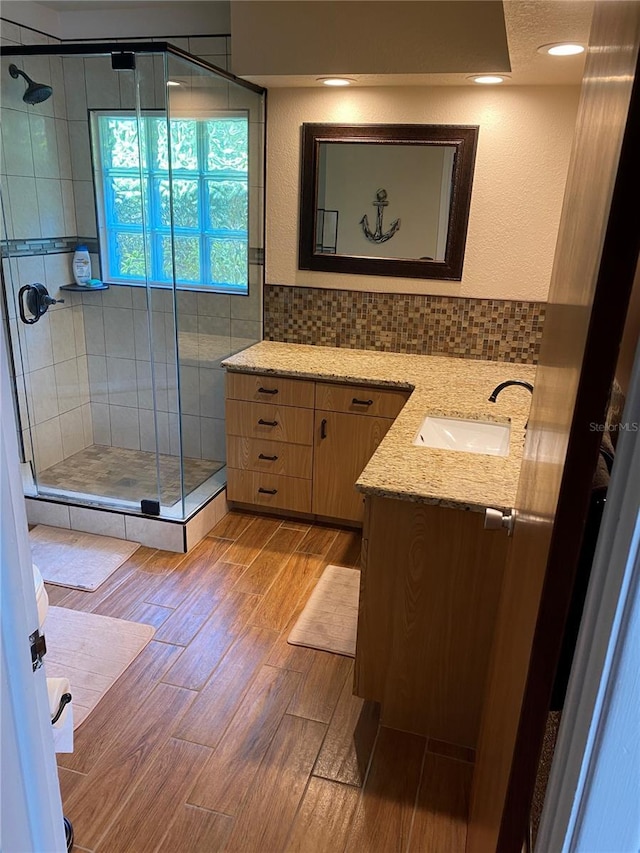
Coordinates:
[38,649]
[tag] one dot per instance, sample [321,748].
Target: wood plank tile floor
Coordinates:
[222,737]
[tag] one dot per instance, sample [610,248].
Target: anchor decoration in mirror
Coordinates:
[379,236]
[417,179]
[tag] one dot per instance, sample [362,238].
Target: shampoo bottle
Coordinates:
[81,266]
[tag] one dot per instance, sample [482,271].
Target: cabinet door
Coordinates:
[429,595]
[343,444]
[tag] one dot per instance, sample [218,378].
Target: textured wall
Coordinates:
[521,165]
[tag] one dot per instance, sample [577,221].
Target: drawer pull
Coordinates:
[323,428]
[356,402]
[264,456]
[267,423]
[268,491]
[267,390]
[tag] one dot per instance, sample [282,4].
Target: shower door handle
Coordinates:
[28,320]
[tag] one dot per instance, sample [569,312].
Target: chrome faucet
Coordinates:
[494,394]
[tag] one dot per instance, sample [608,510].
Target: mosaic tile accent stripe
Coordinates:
[45,246]
[491,329]
[56,245]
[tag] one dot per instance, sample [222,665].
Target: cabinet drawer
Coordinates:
[360,399]
[270,457]
[269,490]
[270,422]
[262,388]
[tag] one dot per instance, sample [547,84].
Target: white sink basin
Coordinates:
[466,436]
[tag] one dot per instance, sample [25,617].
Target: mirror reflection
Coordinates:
[386,199]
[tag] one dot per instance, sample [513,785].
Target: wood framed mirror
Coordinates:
[386,199]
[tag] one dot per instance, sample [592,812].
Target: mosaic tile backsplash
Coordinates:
[492,329]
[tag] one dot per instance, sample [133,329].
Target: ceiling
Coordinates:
[528,23]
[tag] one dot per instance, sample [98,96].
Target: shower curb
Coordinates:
[163,533]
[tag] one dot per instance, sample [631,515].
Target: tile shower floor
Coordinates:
[130,475]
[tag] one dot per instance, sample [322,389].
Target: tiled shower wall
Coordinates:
[50,363]
[52,177]
[494,329]
[38,201]
[119,348]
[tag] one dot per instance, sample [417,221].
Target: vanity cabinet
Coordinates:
[430,585]
[300,445]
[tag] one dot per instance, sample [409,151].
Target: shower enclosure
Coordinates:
[154,160]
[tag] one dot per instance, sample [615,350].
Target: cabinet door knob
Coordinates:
[264,456]
[268,491]
[267,390]
[356,402]
[267,423]
[323,428]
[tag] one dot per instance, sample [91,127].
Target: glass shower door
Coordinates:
[215,134]
[160,427]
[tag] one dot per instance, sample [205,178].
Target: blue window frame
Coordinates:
[173,199]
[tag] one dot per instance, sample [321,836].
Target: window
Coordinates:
[190,191]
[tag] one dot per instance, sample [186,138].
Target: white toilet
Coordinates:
[56,687]
[42,597]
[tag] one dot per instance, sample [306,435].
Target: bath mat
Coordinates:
[91,651]
[79,560]
[330,617]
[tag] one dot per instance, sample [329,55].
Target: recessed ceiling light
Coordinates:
[487,79]
[562,49]
[336,81]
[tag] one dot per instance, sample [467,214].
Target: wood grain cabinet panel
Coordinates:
[360,399]
[269,421]
[269,490]
[343,444]
[270,457]
[264,388]
[428,600]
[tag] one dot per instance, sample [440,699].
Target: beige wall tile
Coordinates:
[48,444]
[72,431]
[68,385]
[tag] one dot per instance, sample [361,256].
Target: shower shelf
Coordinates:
[78,288]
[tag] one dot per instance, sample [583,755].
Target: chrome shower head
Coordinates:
[35,93]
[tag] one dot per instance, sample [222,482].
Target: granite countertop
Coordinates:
[440,386]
